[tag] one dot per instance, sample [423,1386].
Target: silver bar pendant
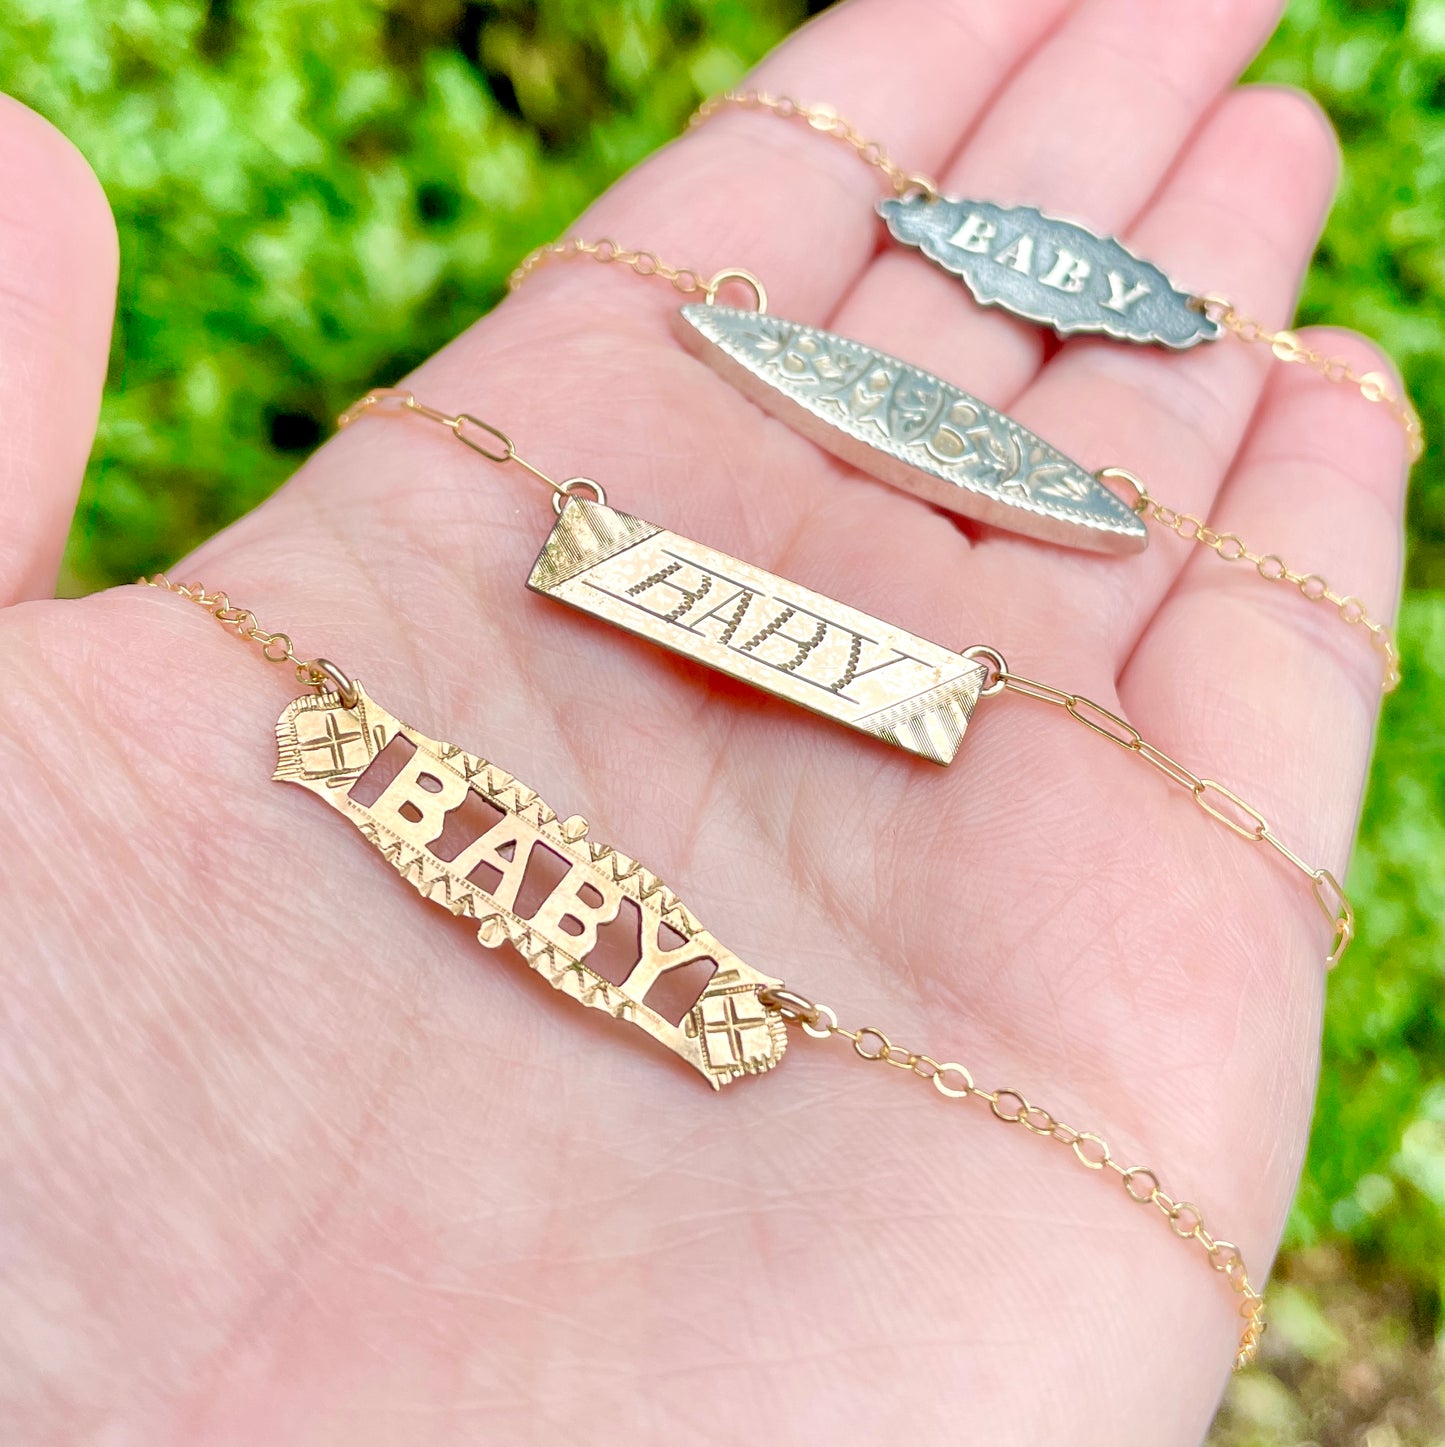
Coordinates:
[1048,270]
[765,630]
[910,429]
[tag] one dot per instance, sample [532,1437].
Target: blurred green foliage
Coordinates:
[314,194]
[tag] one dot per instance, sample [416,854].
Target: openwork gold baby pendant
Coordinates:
[594,923]
[601,928]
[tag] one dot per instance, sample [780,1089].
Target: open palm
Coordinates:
[289,1159]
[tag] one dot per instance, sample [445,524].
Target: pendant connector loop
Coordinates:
[1134,483]
[745,278]
[564,492]
[994,662]
[322,674]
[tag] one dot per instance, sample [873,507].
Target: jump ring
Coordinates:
[565,491]
[991,658]
[1133,483]
[746,278]
[324,668]
[821,1031]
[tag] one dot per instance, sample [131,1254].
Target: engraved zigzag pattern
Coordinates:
[637,880]
[434,883]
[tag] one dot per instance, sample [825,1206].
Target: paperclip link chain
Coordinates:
[1222,804]
[955,1082]
[491,442]
[318,673]
[1286,345]
[1270,566]
[1218,802]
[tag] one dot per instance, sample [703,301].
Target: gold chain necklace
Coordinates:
[1058,273]
[464,833]
[916,432]
[796,644]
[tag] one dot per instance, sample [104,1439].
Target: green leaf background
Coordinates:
[313,195]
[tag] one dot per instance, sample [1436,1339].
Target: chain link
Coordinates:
[686,280]
[1270,566]
[318,673]
[472,432]
[1011,1107]
[1222,804]
[826,121]
[1287,346]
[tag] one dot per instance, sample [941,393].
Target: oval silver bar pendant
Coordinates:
[910,429]
[1048,270]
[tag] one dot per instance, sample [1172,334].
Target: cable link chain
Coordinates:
[1011,1107]
[1289,347]
[1270,566]
[1286,345]
[684,279]
[1221,804]
[826,121]
[318,673]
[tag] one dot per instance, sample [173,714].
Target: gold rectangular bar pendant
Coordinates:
[755,626]
[594,923]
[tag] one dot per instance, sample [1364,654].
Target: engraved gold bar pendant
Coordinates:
[594,923]
[765,630]
[910,429]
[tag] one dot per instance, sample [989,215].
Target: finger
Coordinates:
[787,202]
[1247,212]
[1085,130]
[1323,481]
[57,298]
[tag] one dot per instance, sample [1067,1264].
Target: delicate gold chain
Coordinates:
[1288,347]
[1270,566]
[826,121]
[684,279]
[317,673]
[954,1081]
[1221,804]
[491,442]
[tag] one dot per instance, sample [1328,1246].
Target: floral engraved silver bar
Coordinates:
[910,429]
[1048,270]
[594,923]
[760,628]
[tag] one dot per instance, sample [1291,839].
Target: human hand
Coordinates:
[290,1159]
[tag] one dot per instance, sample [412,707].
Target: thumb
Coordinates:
[57,301]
